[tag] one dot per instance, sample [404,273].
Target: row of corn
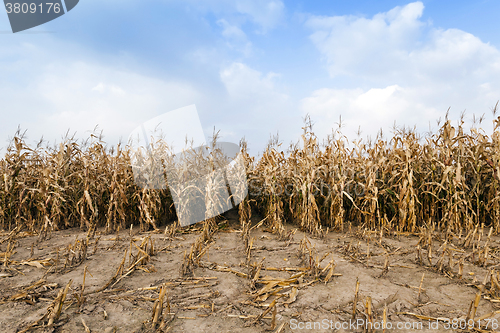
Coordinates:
[449,178]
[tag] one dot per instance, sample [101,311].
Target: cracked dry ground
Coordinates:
[225,294]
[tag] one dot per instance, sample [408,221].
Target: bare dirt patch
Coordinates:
[271,285]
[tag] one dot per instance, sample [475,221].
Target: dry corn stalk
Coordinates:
[355,302]
[158,306]
[54,310]
[450,178]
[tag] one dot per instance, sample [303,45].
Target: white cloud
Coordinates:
[235,37]
[84,95]
[258,106]
[407,71]
[368,110]
[48,94]
[266,14]
[242,81]
[370,46]
[110,88]
[231,31]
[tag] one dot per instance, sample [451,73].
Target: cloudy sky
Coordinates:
[253,68]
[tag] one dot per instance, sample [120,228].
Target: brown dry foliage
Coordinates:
[450,179]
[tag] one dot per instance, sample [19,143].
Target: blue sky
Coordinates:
[253,68]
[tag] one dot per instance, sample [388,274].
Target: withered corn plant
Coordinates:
[449,179]
[270,182]
[305,170]
[74,184]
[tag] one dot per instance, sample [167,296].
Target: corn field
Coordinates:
[448,179]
